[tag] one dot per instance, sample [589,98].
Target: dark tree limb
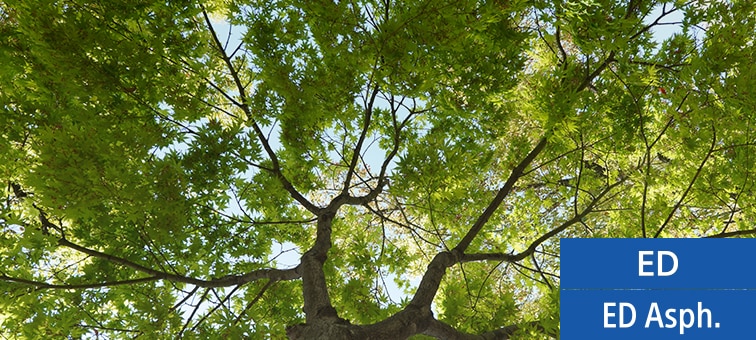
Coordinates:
[358,148]
[317,303]
[242,104]
[517,172]
[44,285]
[543,238]
[226,281]
[733,233]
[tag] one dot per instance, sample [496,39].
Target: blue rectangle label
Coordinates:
[657,288]
[656,314]
[657,263]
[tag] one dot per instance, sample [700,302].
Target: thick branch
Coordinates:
[239,86]
[558,36]
[587,81]
[431,280]
[517,172]
[345,198]
[566,224]
[553,232]
[360,141]
[278,172]
[733,233]
[488,257]
[242,104]
[317,303]
[43,285]
[428,287]
[408,322]
[415,317]
[226,281]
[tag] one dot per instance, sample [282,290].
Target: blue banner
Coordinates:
[657,314]
[654,289]
[666,263]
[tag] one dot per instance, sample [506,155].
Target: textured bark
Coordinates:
[317,303]
[402,325]
[324,331]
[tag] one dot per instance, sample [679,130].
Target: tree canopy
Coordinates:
[164,161]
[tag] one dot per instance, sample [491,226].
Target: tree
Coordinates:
[161,157]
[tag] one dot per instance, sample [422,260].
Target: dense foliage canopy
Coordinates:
[368,169]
